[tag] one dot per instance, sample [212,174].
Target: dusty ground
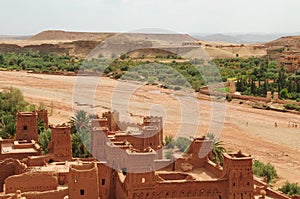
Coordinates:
[184,114]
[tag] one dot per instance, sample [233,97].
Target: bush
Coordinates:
[228,97]
[292,107]
[168,154]
[169,142]
[183,144]
[290,188]
[264,170]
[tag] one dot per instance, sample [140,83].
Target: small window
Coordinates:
[103,181]
[25,128]
[82,192]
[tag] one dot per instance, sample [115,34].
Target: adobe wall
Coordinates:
[122,126]
[147,138]
[38,182]
[18,156]
[83,181]
[39,160]
[106,181]
[238,170]
[197,156]
[251,98]
[98,143]
[26,127]
[182,190]
[163,164]
[7,168]
[60,144]
[112,119]
[59,194]
[213,168]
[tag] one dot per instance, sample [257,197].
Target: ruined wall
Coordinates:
[38,182]
[112,119]
[7,169]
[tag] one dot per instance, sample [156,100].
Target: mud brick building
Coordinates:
[127,163]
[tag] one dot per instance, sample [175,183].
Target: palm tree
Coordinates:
[80,128]
[7,126]
[80,121]
[217,149]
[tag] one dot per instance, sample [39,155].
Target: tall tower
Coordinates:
[27,128]
[238,168]
[43,115]
[61,145]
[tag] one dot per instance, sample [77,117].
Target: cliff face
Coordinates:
[82,44]
[60,42]
[76,48]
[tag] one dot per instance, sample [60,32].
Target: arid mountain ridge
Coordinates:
[81,44]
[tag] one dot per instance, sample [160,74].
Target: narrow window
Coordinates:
[25,128]
[103,181]
[82,192]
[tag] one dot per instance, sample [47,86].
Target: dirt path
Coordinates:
[183,115]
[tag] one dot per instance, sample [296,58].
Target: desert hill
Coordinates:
[292,42]
[58,35]
[83,44]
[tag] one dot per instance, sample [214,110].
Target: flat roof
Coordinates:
[8,148]
[56,167]
[199,174]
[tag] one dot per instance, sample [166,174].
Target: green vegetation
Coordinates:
[183,144]
[292,107]
[80,133]
[264,170]
[38,62]
[256,76]
[218,149]
[290,188]
[44,139]
[224,90]
[168,154]
[169,142]
[11,102]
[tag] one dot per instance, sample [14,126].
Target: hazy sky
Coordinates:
[186,16]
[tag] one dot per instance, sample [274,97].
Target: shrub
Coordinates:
[169,141]
[264,170]
[183,144]
[168,154]
[292,107]
[228,97]
[290,188]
